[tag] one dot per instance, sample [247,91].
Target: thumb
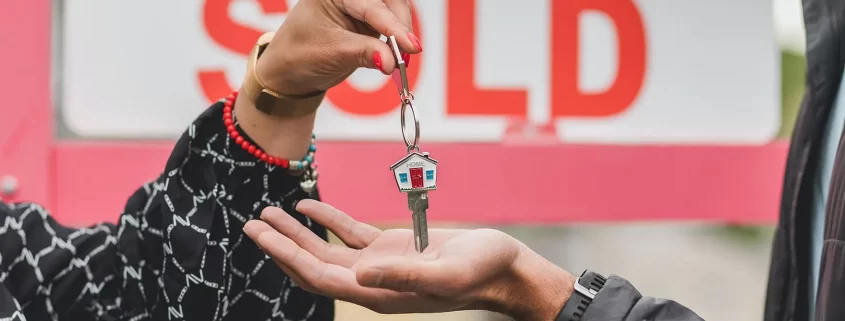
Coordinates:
[368,52]
[402,274]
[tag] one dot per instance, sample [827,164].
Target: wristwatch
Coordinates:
[586,287]
[270,101]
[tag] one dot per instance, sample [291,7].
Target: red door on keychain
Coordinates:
[416,177]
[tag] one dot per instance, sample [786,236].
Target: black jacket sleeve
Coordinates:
[618,300]
[177,252]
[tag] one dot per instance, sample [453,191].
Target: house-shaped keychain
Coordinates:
[415,172]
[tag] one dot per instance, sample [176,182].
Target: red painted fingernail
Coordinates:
[415,41]
[377,61]
[407,58]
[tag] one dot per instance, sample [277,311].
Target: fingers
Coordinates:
[282,222]
[388,17]
[402,10]
[377,14]
[368,52]
[410,274]
[354,234]
[312,274]
[308,271]
[253,230]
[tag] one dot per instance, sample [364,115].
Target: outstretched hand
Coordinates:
[460,270]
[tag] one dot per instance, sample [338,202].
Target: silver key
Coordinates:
[418,204]
[416,173]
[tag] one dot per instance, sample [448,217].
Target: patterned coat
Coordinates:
[178,251]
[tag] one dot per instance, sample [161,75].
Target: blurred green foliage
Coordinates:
[744,234]
[793,79]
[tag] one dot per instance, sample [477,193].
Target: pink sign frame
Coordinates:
[83,182]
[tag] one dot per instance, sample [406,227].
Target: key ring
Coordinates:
[405,95]
[414,146]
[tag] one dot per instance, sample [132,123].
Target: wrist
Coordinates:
[539,291]
[280,72]
[280,75]
[284,137]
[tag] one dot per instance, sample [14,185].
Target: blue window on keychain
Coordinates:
[403,178]
[429,175]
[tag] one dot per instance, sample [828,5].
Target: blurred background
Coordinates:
[639,138]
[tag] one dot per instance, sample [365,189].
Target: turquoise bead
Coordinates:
[312,148]
[309,158]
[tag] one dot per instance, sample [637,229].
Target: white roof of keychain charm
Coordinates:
[416,173]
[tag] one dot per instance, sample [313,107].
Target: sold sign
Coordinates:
[463,96]
[486,66]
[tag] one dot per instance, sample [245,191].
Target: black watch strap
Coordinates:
[586,287]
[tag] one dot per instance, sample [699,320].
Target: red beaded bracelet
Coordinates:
[255,150]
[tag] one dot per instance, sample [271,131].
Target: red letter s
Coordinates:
[232,36]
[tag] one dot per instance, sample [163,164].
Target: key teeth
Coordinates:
[420,231]
[418,243]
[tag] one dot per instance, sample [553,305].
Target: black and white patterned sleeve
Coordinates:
[178,251]
[47,270]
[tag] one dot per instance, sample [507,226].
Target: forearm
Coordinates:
[286,137]
[187,226]
[282,136]
[537,291]
[619,300]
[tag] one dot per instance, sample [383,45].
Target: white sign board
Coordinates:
[622,71]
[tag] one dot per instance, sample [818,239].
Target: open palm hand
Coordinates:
[381,270]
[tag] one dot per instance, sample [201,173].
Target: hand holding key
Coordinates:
[380,270]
